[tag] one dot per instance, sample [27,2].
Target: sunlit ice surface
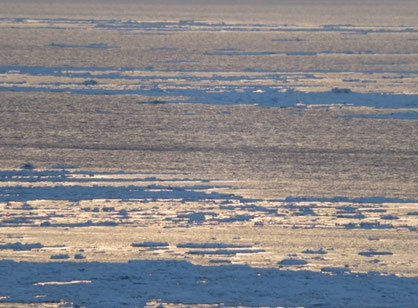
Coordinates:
[186,153]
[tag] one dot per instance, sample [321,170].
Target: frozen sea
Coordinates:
[192,153]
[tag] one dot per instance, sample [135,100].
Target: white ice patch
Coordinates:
[61,282]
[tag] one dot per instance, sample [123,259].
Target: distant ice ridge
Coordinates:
[133,26]
[271,97]
[93,45]
[412,115]
[373,200]
[262,88]
[145,186]
[253,95]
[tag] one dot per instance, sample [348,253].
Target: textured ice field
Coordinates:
[195,154]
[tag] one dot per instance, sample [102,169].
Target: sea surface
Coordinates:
[208,153]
